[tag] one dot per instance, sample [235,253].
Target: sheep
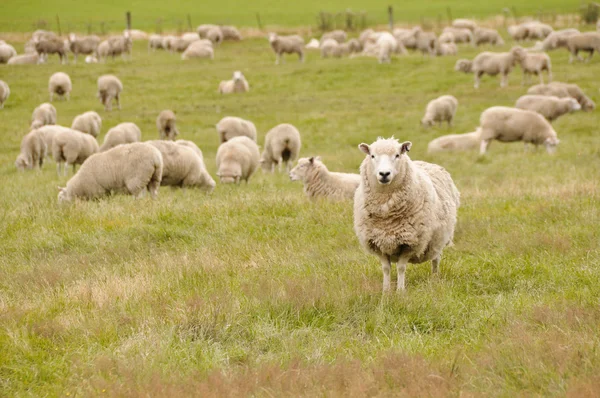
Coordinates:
[446,37]
[455,142]
[41,34]
[529,30]
[215,35]
[30,47]
[464,24]
[203,30]
[119,45]
[587,41]
[404,210]
[548,90]
[447,49]
[103,50]
[237,159]
[72,147]
[231,126]
[91,59]
[387,44]
[135,34]
[181,44]
[572,90]
[548,106]
[464,65]
[192,145]
[490,63]
[328,46]
[130,169]
[155,42]
[182,167]
[484,35]
[33,151]
[238,84]
[338,50]
[365,36]
[109,88]
[556,39]
[282,145]
[313,44]
[6,52]
[60,84]
[166,42]
[533,63]
[286,45]
[338,35]
[441,109]
[48,133]
[518,32]
[426,42]
[89,122]
[320,182]
[231,33]
[460,35]
[43,115]
[124,133]
[165,123]
[190,36]
[4,93]
[408,36]
[510,124]
[198,49]
[85,45]
[47,46]
[24,59]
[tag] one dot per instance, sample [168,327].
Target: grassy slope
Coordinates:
[134,297]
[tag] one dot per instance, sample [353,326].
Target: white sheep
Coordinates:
[135,34]
[51,45]
[237,159]
[155,42]
[408,36]
[313,44]
[556,39]
[286,45]
[447,49]
[485,35]
[6,52]
[563,90]
[215,35]
[387,45]
[130,169]
[510,124]
[124,133]
[548,106]
[533,64]
[85,45]
[446,37]
[460,35]
[490,63]
[4,93]
[60,84]
[441,109]
[328,46]
[166,125]
[109,88]
[33,151]
[587,42]
[24,59]
[238,84]
[338,35]
[232,126]
[404,210]
[88,122]
[427,42]
[199,49]
[48,133]
[91,59]
[282,145]
[202,30]
[72,147]
[117,45]
[43,115]
[461,23]
[192,145]
[231,33]
[320,182]
[455,142]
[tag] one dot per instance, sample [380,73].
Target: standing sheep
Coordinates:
[282,145]
[109,88]
[464,24]
[238,84]
[548,106]
[4,93]
[155,42]
[84,45]
[441,109]
[89,122]
[533,64]
[202,30]
[237,159]
[460,35]
[557,39]
[43,115]
[587,42]
[51,45]
[72,147]
[455,142]
[231,33]
[60,84]
[564,90]
[490,63]
[130,168]
[427,42]
[484,35]
[165,123]
[33,151]
[231,126]
[338,35]
[286,45]
[124,133]
[404,210]
[320,182]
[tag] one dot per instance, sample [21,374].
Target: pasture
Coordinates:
[255,290]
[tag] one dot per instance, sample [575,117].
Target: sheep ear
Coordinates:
[60,189]
[406,146]
[311,159]
[364,148]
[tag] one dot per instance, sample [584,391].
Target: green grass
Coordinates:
[254,290]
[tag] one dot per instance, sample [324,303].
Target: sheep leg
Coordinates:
[483,146]
[68,96]
[477,79]
[51,96]
[386,266]
[301,57]
[401,269]
[504,80]
[118,102]
[58,168]
[65,168]
[435,263]
[277,56]
[590,57]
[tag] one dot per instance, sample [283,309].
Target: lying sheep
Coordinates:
[91,59]
[510,124]
[155,42]
[231,126]
[72,147]
[124,133]
[135,34]
[460,35]
[130,169]
[464,24]
[4,93]
[237,159]
[113,46]
[33,151]
[238,84]
[109,88]
[338,35]
[556,39]
[215,35]
[404,210]
[231,33]
[286,45]
[492,64]
[199,49]
[89,122]
[6,52]
[24,59]
[548,106]
[441,109]
[60,84]
[320,182]
[84,45]
[166,125]
[447,49]
[455,142]
[485,36]
[282,145]
[533,64]
[587,42]
[47,46]
[202,30]
[43,115]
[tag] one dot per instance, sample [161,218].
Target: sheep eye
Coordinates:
[372,156]
[397,155]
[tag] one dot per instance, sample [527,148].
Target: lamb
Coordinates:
[490,63]
[130,169]
[464,24]
[215,35]
[231,126]
[124,133]
[237,85]
[460,35]
[47,46]
[320,182]
[587,41]
[404,210]
[557,39]
[91,59]
[231,33]
[182,167]
[109,88]
[282,145]
[202,30]
[24,59]
[43,115]
[427,42]
[155,42]
[72,147]
[338,35]
[441,109]
[85,45]
[574,92]
[198,49]
[533,63]
[165,123]
[455,142]
[548,106]
[4,93]
[33,151]
[6,52]
[286,45]
[60,84]
[89,122]
[510,124]
[237,159]
[484,35]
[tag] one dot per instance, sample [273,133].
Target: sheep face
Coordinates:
[298,173]
[36,124]
[272,37]
[386,158]
[551,144]
[230,175]
[588,105]
[518,53]
[574,105]
[238,76]
[21,163]
[463,65]
[63,195]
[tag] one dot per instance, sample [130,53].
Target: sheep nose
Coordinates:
[384,174]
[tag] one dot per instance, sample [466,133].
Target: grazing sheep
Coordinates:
[530,31]
[124,133]
[490,63]
[48,46]
[238,84]
[282,145]
[320,182]
[231,126]
[203,30]
[113,46]
[533,64]
[404,210]
[556,39]
[387,44]
[460,35]
[447,49]
[33,151]
[338,35]
[210,183]
[441,109]
[24,59]
[510,124]
[48,133]
[464,24]
[91,59]
[446,37]
[455,142]
[464,65]
[72,147]
[587,42]
[6,52]
[85,45]
[231,33]
[130,169]
[109,88]
[286,45]
[575,92]
[215,35]
[518,32]
[427,42]
[155,42]
[333,48]
[4,93]
[484,36]
[135,34]
[199,49]
[548,106]
[89,122]
[192,145]
[41,34]
[237,159]
[60,84]
[408,36]
[43,115]
[366,36]
[165,123]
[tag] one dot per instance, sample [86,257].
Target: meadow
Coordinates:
[255,290]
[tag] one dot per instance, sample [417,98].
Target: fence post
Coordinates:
[449,13]
[258,21]
[189,19]
[391,17]
[58,25]
[128,16]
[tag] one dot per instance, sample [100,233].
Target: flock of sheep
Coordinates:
[404,211]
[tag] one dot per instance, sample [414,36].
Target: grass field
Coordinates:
[254,290]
